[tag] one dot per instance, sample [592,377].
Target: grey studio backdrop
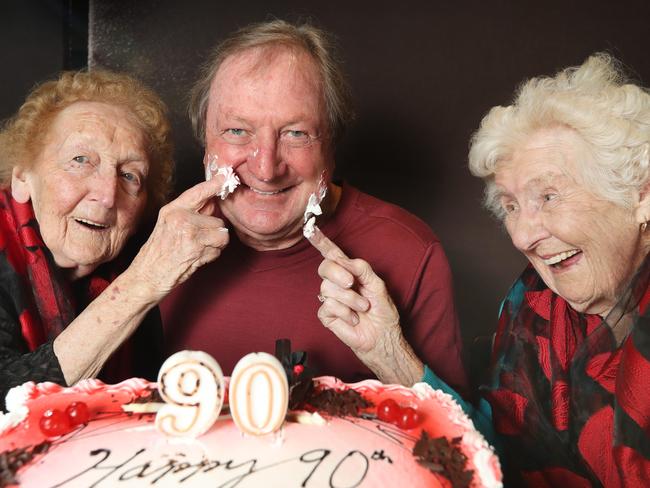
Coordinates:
[423,74]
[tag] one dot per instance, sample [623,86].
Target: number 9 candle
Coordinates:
[192,385]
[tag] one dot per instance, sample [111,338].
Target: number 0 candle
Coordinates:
[258,394]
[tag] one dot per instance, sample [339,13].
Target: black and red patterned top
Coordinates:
[37,302]
[570,392]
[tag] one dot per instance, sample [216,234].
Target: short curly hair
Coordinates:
[22,136]
[595,100]
[316,43]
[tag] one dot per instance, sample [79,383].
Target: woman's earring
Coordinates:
[644,226]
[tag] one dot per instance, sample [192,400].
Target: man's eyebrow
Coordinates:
[239,119]
[229,113]
[236,118]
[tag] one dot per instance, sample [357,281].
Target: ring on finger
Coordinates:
[321,298]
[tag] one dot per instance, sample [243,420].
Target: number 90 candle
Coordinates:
[192,385]
[258,394]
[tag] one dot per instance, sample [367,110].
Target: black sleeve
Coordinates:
[17,364]
[148,342]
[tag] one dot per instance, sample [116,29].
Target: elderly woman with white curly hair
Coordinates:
[567,171]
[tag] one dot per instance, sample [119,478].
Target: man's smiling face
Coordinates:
[266,118]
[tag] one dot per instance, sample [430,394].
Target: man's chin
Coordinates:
[266,237]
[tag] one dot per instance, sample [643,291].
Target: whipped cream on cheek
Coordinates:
[231,179]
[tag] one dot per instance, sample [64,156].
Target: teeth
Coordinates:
[260,192]
[560,257]
[90,222]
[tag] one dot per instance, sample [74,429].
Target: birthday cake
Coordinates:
[344,435]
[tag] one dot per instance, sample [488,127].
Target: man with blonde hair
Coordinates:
[270,105]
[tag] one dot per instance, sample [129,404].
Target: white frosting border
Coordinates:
[19,396]
[484,458]
[484,454]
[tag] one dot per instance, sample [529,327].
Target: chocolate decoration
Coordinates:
[444,458]
[12,461]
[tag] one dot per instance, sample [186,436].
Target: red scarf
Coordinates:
[570,392]
[47,301]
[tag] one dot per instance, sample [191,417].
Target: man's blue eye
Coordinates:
[80,159]
[296,138]
[236,132]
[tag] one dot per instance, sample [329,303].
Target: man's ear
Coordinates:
[19,185]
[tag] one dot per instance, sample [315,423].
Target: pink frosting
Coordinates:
[344,452]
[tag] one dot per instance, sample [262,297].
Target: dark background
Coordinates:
[423,74]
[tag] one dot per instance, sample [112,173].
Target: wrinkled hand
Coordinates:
[186,237]
[358,309]
[357,306]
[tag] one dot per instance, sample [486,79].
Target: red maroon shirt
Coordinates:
[246,299]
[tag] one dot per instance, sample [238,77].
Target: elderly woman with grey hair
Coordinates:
[566,168]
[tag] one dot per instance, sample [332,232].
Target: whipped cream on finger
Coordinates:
[313,207]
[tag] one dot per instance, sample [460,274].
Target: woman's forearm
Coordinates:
[396,363]
[90,340]
[186,237]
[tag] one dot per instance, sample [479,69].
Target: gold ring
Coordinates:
[321,298]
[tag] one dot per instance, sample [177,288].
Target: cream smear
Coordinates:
[313,208]
[231,179]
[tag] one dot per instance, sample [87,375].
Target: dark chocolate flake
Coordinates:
[445,458]
[337,402]
[149,395]
[12,461]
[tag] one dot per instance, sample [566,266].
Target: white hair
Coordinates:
[610,114]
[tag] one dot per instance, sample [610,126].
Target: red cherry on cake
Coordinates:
[77,413]
[54,423]
[298,368]
[388,411]
[409,418]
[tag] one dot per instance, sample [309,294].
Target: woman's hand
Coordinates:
[186,237]
[358,309]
